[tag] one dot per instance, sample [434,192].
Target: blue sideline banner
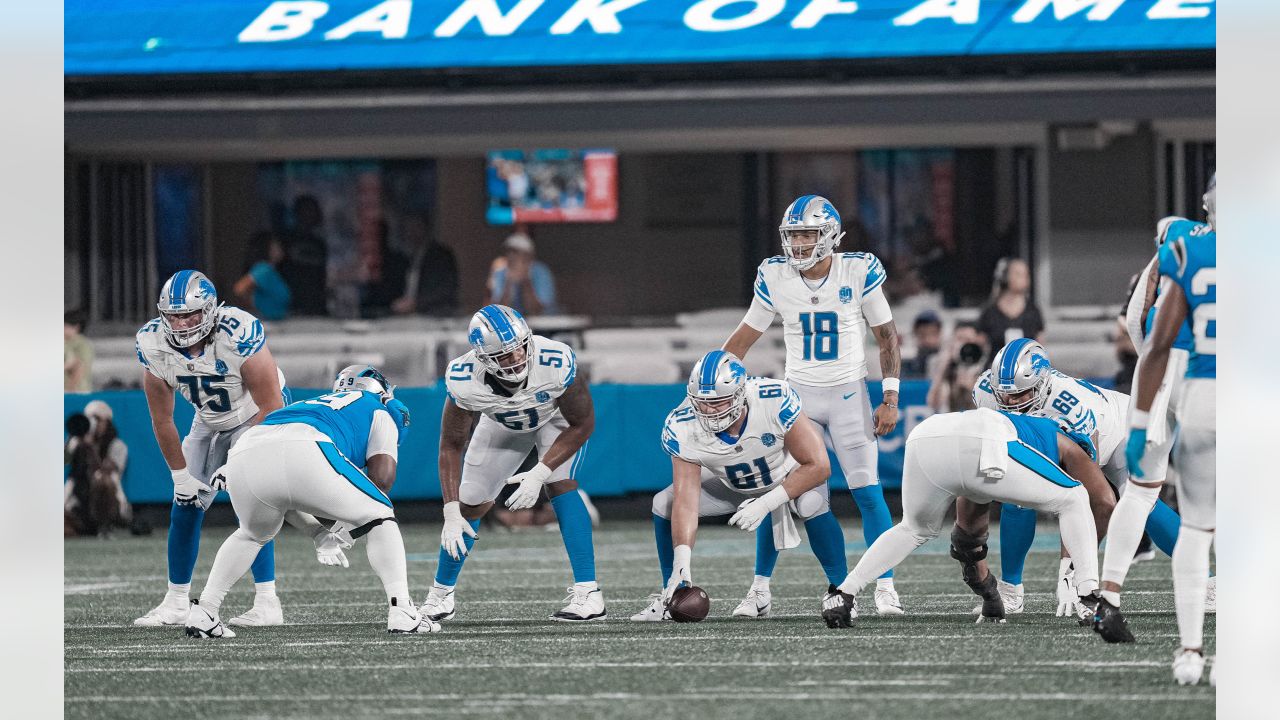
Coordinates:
[624,455]
[122,37]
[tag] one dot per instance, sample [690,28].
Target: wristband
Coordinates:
[890,384]
[775,498]
[182,475]
[1139,419]
[682,555]
[541,471]
[452,511]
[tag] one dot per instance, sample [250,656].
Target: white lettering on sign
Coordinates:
[284,21]
[1179,9]
[601,15]
[702,16]
[960,12]
[1063,9]
[493,22]
[813,13]
[389,19]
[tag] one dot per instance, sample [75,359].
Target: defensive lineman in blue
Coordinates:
[333,456]
[523,388]
[827,301]
[1188,288]
[216,357]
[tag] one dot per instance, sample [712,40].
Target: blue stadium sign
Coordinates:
[111,37]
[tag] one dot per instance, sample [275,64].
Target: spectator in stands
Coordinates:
[306,264]
[77,354]
[524,283]
[1010,313]
[263,289]
[927,333]
[952,387]
[431,278]
[382,280]
[113,456]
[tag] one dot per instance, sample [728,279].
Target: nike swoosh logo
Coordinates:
[855,392]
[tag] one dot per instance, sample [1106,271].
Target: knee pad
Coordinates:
[811,504]
[662,503]
[365,528]
[967,547]
[472,494]
[245,534]
[860,465]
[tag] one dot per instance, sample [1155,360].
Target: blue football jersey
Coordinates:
[1041,434]
[1190,258]
[1183,341]
[346,417]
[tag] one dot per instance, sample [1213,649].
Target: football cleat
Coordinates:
[171,611]
[1109,622]
[656,611]
[1211,596]
[1086,607]
[585,604]
[408,621]
[265,611]
[756,604]
[887,601]
[839,609]
[1013,597]
[1188,666]
[439,605]
[204,624]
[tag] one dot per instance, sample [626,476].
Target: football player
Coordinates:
[732,438]
[334,456]
[1188,296]
[215,356]
[1022,380]
[827,301]
[523,387]
[986,456]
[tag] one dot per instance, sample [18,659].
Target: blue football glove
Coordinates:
[1134,451]
[400,413]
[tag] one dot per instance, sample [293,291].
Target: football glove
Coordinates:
[679,571]
[455,527]
[1134,450]
[329,547]
[530,487]
[1068,600]
[186,489]
[753,511]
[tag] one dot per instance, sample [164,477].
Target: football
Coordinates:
[689,604]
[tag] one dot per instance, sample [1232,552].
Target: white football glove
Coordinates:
[530,482]
[1068,600]
[455,526]
[186,489]
[679,571]
[329,547]
[753,511]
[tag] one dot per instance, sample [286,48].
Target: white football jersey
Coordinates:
[1077,405]
[756,459]
[822,321]
[552,368]
[211,381]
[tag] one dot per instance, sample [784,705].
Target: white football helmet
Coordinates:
[716,378]
[1020,376]
[497,333]
[1211,200]
[810,223]
[363,377]
[187,292]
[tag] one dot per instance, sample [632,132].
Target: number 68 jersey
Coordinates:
[211,381]
[755,460]
[552,368]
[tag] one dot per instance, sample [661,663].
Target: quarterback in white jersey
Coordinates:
[523,388]
[827,301]
[741,446]
[216,357]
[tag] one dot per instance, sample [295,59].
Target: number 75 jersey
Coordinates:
[552,369]
[756,459]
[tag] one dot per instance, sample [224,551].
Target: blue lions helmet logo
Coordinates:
[476,337]
[737,371]
[220,367]
[205,290]
[769,439]
[846,294]
[542,396]
[1039,361]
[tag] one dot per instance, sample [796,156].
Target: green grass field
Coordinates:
[501,654]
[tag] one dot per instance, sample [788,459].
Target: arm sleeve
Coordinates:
[1133,311]
[383,436]
[760,315]
[875,308]
[875,276]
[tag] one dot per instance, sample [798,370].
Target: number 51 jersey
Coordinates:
[552,368]
[756,459]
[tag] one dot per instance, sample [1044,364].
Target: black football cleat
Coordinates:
[1109,622]
[838,608]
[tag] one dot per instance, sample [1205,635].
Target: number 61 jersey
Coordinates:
[755,460]
[211,381]
[552,368]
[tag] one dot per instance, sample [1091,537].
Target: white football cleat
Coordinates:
[887,601]
[1188,666]
[585,604]
[1211,596]
[756,604]
[408,621]
[171,611]
[265,611]
[439,605]
[204,624]
[1013,596]
[655,612]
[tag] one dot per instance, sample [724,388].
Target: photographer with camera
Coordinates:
[952,387]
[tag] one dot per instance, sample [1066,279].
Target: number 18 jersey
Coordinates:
[552,369]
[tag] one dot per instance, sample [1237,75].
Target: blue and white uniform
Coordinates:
[512,421]
[310,456]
